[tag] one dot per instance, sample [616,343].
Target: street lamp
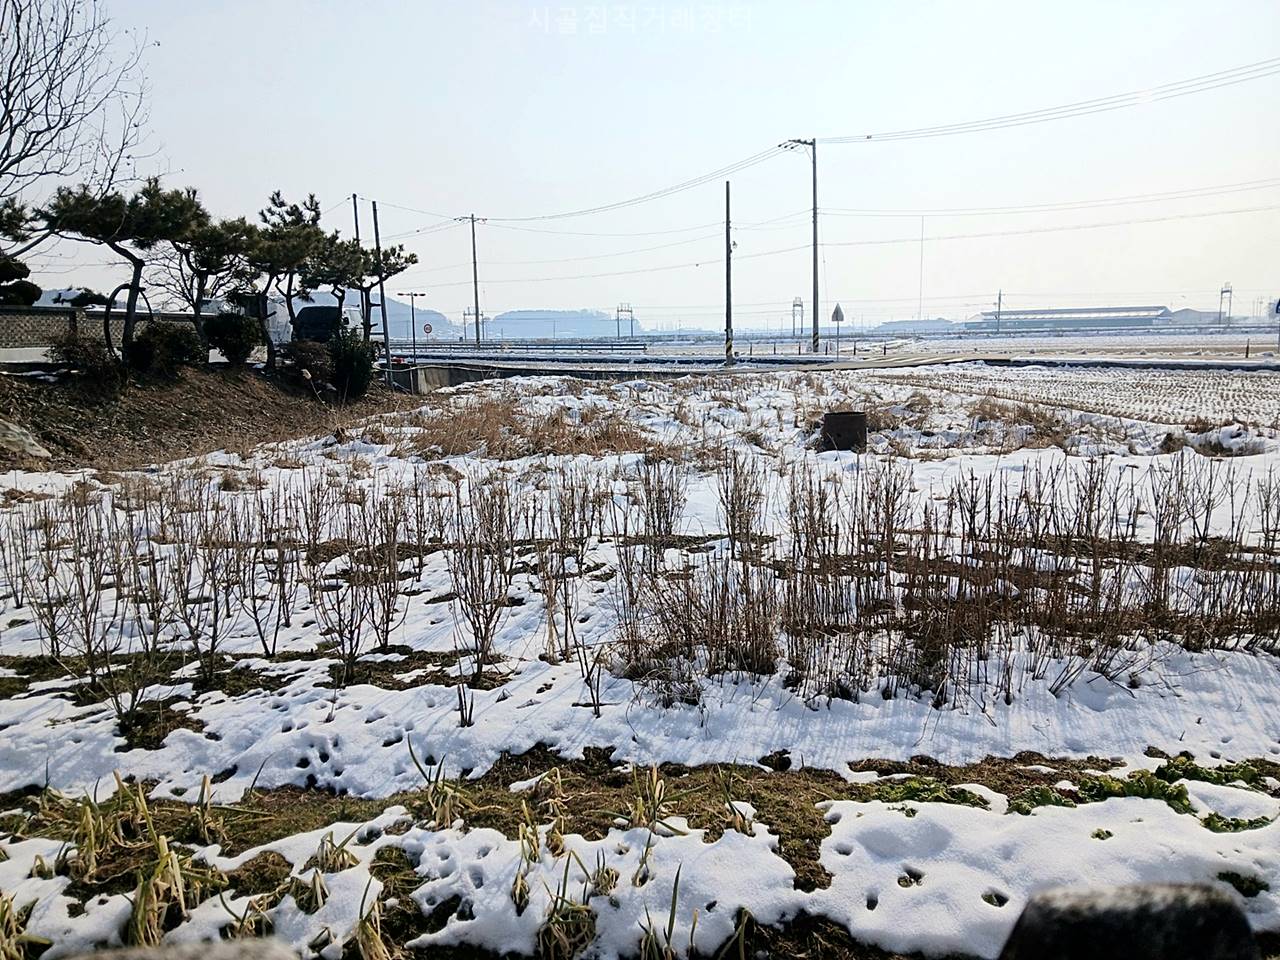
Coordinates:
[413,320]
[812,146]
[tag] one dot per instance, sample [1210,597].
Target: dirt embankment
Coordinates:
[201,411]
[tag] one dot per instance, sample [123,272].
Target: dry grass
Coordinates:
[1047,427]
[501,427]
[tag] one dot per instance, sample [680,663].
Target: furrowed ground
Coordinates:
[564,668]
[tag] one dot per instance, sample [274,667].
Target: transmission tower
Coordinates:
[624,312]
[468,318]
[1224,296]
[797,317]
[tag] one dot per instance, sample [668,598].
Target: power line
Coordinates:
[422,231]
[722,172]
[1205,82]
[579,233]
[885,242]
[760,225]
[594,256]
[1166,91]
[675,188]
[626,273]
[425,213]
[1057,229]
[1184,194]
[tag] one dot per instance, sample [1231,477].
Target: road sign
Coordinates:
[426,328]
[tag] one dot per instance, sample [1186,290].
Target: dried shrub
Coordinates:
[98,370]
[161,348]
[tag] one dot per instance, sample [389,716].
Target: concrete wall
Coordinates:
[425,378]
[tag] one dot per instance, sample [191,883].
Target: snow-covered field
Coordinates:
[1153,345]
[1177,398]
[1076,564]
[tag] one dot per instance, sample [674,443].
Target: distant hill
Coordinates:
[545,324]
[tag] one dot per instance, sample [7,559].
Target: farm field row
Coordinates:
[582,668]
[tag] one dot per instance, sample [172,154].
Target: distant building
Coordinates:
[1068,319]
[1186,317]
[916,326]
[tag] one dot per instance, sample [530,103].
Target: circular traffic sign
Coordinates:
[426,328]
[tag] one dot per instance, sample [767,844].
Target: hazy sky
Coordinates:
[515,109]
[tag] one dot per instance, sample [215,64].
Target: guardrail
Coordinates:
[425,347]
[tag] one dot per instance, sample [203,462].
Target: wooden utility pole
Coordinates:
[475,277]
[728,283]
[999,305]
[382,293]
[364,296]
[813,149]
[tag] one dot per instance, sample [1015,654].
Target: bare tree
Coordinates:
[206,264]
[72,104]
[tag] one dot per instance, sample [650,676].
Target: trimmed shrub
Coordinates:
[352,360]
[19,293]
[91,359]
[160,348]
[15,289]
[234,336]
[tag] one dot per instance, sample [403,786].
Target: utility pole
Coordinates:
[812,144]
[999,305]
[728,283]
[364,297]
[475,275]
[413,320]
[920,294]
[382,294]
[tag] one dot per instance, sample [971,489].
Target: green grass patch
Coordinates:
[1139,783]
[1183,767]
[1220,824]
[1246,886]
[1039,796]
[919,790]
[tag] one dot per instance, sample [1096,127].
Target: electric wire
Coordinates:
[1166,91]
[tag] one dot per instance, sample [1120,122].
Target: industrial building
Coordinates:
[1068,319]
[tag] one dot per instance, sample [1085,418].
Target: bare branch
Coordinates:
[72,99]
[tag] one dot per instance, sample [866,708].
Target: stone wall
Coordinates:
[38,327]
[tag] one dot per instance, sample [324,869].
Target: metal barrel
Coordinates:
[844,430]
